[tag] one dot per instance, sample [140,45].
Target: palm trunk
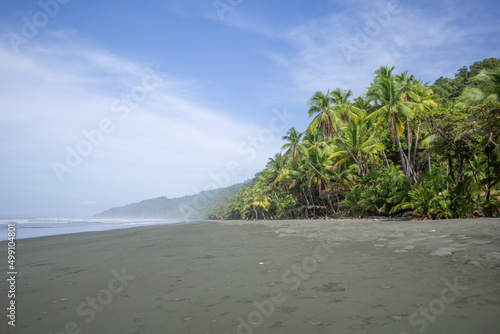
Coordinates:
[330,203]
[314,205]
[460,162]
[385,160]
[408,142]
[447,177]
[307,202]
[403,161]
[428,154]
[385,157]
[415,152]
[488,193]
[291,204]
[450,167]
[473,170]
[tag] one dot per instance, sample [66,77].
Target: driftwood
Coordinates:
[311,207]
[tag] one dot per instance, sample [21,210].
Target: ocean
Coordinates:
[41,227]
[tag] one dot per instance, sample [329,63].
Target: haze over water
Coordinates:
[41,227]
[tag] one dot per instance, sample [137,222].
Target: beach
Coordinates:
[299,276]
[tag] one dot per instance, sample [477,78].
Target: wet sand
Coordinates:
[333,276]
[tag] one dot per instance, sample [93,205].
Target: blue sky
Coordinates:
[104,103]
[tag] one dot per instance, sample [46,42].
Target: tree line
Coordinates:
[402,148]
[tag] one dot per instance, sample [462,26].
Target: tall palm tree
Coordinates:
[327,119]
[424,97]
[322,166]
[362,140]
[295,149]
[384,72]
[262,202]
[293,138]
[343,106]
[393,107]
[274,174]
[322,108]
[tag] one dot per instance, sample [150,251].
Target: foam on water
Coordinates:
[41,227]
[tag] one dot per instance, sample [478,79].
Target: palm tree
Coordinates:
[261,201]
[393,108]
[490,84]
[384,72]
[488,89]
[274,174]
[320,166]
[293,145]
[321,106]
[362,141]
[343,106]
[314,139]
[406,80]
[424,97]
[247,209]
[362,102]
[327,118]
[296,149]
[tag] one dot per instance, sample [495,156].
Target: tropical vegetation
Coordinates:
[403,148]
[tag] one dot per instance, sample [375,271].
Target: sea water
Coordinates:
[41,227]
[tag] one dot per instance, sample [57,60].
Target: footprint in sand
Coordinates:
[277,324]
[287,309]
[329,287]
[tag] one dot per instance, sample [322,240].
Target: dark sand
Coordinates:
[262,277]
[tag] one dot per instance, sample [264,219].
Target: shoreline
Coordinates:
[40,227]
[291,276]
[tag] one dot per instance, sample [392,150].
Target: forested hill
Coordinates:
[187,207]
[450,89]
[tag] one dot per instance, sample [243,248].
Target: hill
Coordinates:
[186,207]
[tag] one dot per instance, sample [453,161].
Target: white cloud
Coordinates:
[167,145]
[344,48]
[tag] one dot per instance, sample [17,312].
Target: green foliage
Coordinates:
[450,89]
[402,148]
[379,193]
[355,200]
[434,201]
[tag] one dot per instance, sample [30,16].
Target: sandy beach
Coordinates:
[322,276]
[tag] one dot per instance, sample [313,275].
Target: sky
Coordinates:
[106,103]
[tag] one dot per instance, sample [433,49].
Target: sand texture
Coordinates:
[322,276]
